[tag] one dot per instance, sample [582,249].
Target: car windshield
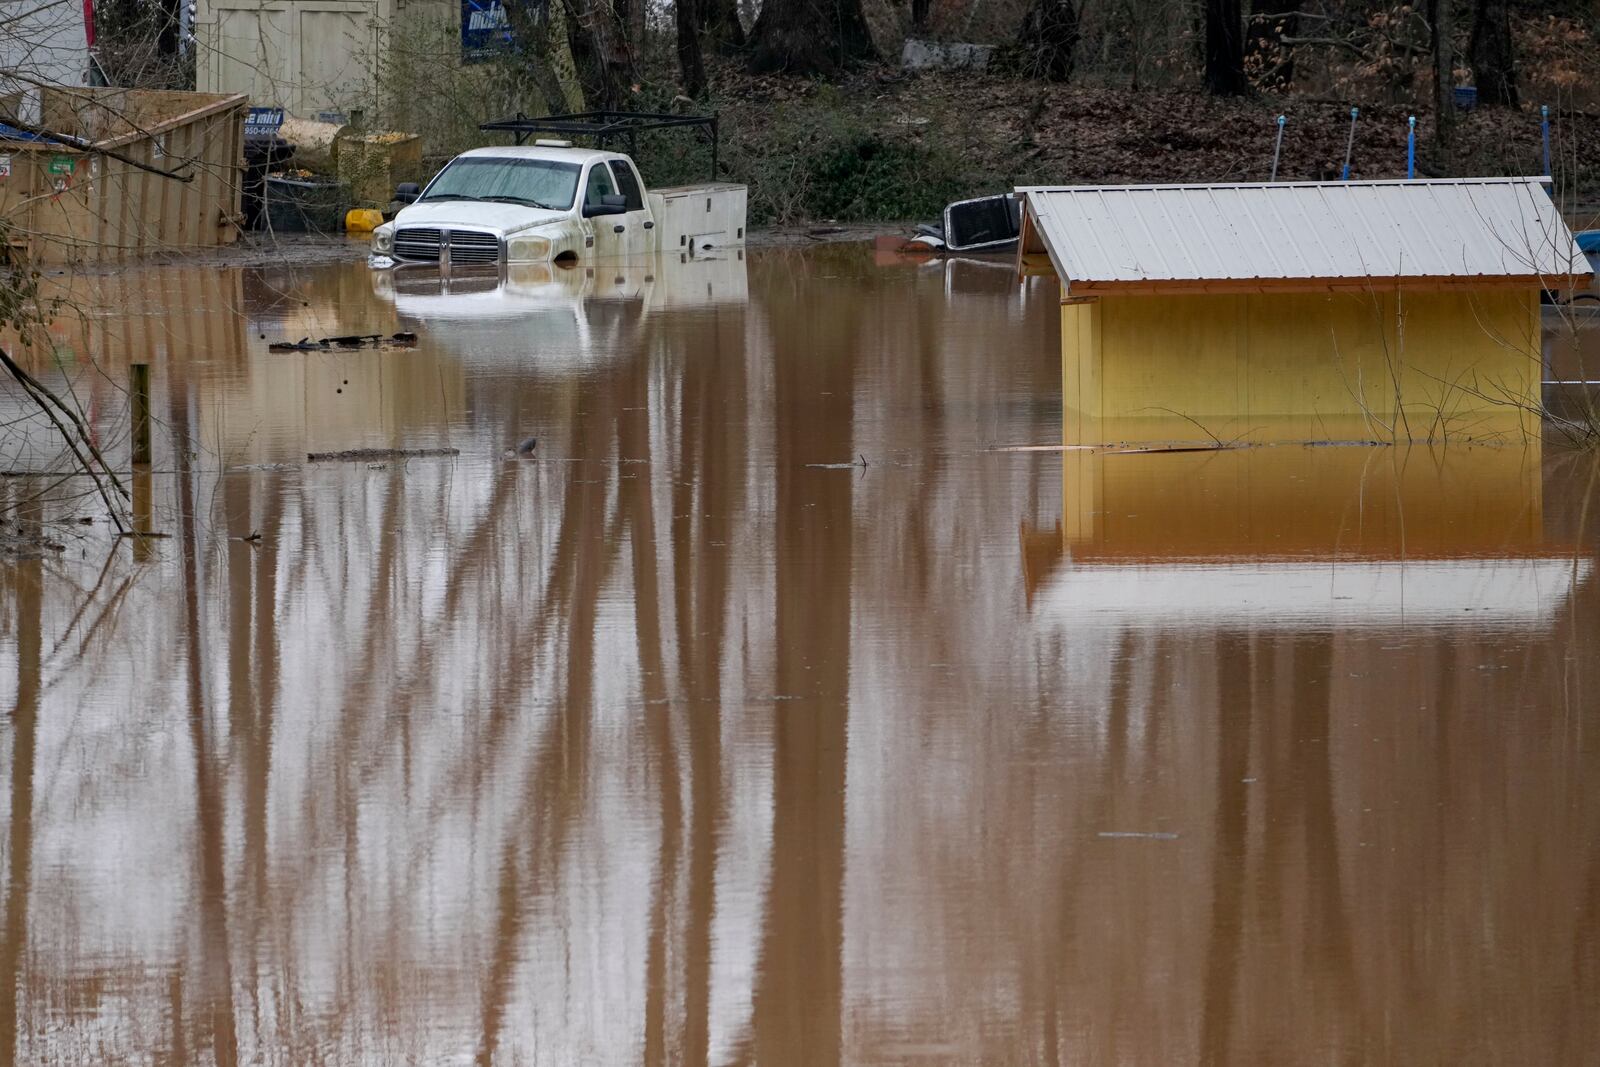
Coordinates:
[537,182]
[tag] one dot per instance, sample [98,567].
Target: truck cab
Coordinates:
[551,203]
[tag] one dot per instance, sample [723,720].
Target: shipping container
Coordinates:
[100,191]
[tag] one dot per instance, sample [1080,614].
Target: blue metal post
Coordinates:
[1411,149]
[1544,123]
[1276,148]
[1350,143]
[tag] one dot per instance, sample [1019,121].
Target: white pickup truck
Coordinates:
[549,202]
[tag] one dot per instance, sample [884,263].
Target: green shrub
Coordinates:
[870,177]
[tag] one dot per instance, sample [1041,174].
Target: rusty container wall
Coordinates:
[66,205]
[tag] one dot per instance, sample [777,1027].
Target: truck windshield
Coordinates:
[538,182]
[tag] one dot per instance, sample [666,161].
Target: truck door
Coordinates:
[615,236]
[640,231]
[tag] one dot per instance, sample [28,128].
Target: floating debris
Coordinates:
[363,454]
[1220,446]
[349,341]
[525,448]
[26,541]
[1042,448]
[860,461]
[1153,835]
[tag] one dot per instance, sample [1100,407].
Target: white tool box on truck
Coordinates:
[694,217]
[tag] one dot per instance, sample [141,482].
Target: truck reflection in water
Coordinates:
[574,317]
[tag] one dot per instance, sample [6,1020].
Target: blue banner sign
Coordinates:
[485,29]
[263,121]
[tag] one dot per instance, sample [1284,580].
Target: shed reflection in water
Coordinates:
[682,744]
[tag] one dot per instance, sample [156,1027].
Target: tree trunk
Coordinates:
[630,20]
[919,15]
[1444,79]
[597,35]
[168,31]
[558,57]
[1265,53]
[1050,33]
[809,36]
[719,24]
[1493,62]
[1224,48]
[690,64]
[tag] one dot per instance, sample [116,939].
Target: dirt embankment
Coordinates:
[804,145]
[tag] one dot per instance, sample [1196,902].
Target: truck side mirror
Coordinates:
[407,192]
[610,204]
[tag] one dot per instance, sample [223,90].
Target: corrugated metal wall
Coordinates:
[68,206]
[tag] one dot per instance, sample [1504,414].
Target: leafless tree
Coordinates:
[1493,58]
[1224,55]
[810,36]
[1049,33]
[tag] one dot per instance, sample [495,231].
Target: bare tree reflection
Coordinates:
[667,746]
[19,839]
[218,1033]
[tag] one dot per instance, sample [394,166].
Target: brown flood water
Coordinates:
[685,742]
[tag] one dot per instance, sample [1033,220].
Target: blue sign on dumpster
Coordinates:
[263,121]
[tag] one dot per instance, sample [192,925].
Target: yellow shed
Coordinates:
[1300,311]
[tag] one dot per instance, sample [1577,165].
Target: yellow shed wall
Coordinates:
[1302,366]
[1388,503]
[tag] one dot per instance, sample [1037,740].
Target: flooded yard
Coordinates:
[778,708]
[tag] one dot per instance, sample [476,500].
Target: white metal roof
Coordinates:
[1105,238]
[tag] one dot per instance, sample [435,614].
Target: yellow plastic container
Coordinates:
[362,220]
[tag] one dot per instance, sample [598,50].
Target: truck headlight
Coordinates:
[528,249]
[383,239]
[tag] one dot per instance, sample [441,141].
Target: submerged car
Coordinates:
[981,224]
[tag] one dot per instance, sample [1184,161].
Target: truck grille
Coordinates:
[467,247]
[417,243]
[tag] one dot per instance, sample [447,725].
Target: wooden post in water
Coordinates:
[143,514]
[139,398]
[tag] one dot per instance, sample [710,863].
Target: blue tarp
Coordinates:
[11,133]
[1588,241]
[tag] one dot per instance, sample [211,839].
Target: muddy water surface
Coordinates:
[694,740]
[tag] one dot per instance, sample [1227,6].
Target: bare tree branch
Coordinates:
[110,153]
